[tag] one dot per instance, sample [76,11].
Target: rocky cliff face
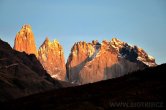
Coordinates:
[91,62]
[87,62]
[25,41]
[81,52]
[132,53]
[51,56]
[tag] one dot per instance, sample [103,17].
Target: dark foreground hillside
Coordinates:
[22,74]
[142,89]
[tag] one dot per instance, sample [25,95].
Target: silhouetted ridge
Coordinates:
[146,86]
[22,74]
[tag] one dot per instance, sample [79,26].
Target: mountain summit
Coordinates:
[87,62]
[132,52]
[25,41]
[51,56]
[91,62]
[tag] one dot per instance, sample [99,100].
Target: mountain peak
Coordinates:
[115,40]
[47,39]
[26,26]
[91,62]
[49,43]
[117,44]
[55,41]
[51,56]
[46,42]
[25,41]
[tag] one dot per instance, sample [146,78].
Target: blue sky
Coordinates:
[138,22]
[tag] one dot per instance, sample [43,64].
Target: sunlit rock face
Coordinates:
[81,52]
[91,62]
[132,53]
[25,41]
[51,56]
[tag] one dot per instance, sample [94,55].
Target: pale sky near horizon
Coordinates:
[138,22]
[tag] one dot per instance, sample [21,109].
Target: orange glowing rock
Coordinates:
[25,41]
[92,62]
[51,56]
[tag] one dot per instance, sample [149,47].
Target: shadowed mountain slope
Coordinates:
[21,74]
[144,86]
